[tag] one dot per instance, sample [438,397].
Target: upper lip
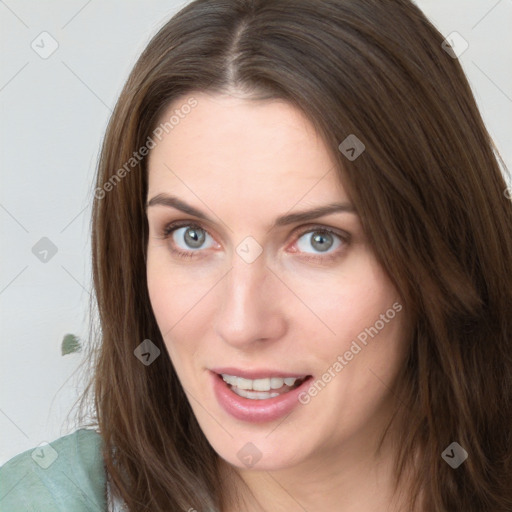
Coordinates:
[257,373]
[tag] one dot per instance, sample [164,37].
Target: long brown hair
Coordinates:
[431,196]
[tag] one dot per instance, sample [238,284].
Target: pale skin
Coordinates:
[243,164]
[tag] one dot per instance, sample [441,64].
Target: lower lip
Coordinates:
[256,411]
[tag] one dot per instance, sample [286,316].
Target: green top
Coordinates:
[65,475]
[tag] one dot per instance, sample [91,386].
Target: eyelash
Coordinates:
[168,230]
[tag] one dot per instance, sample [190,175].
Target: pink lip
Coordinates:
[255,411]
[256,374]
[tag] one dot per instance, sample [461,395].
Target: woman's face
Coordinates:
[250,286]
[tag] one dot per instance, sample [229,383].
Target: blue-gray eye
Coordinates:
[319,240]
[193,236]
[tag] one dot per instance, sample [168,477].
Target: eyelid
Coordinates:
[297,233]
[325,258]
[169,229]
[174,225]
[321,227]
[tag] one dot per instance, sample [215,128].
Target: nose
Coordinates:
[251,306]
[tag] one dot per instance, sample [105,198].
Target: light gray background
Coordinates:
[53,115]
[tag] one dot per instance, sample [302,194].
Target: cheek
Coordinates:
[171,290]
[347,304]
[369,347]
[168,298]
[179,304]
[165,304]
[358,363]
[159,288]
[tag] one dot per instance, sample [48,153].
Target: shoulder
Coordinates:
[66,474]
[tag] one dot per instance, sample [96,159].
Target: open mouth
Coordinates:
[262,389]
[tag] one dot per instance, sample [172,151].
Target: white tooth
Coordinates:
[261,384]
[242,383]
[254,395]
[262,395]
[276,382]
[229,379]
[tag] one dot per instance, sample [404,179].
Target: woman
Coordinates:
[301,244]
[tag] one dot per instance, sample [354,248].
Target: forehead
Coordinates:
[262,150]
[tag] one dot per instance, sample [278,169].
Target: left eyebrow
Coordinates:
[320,211]
[283,220]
